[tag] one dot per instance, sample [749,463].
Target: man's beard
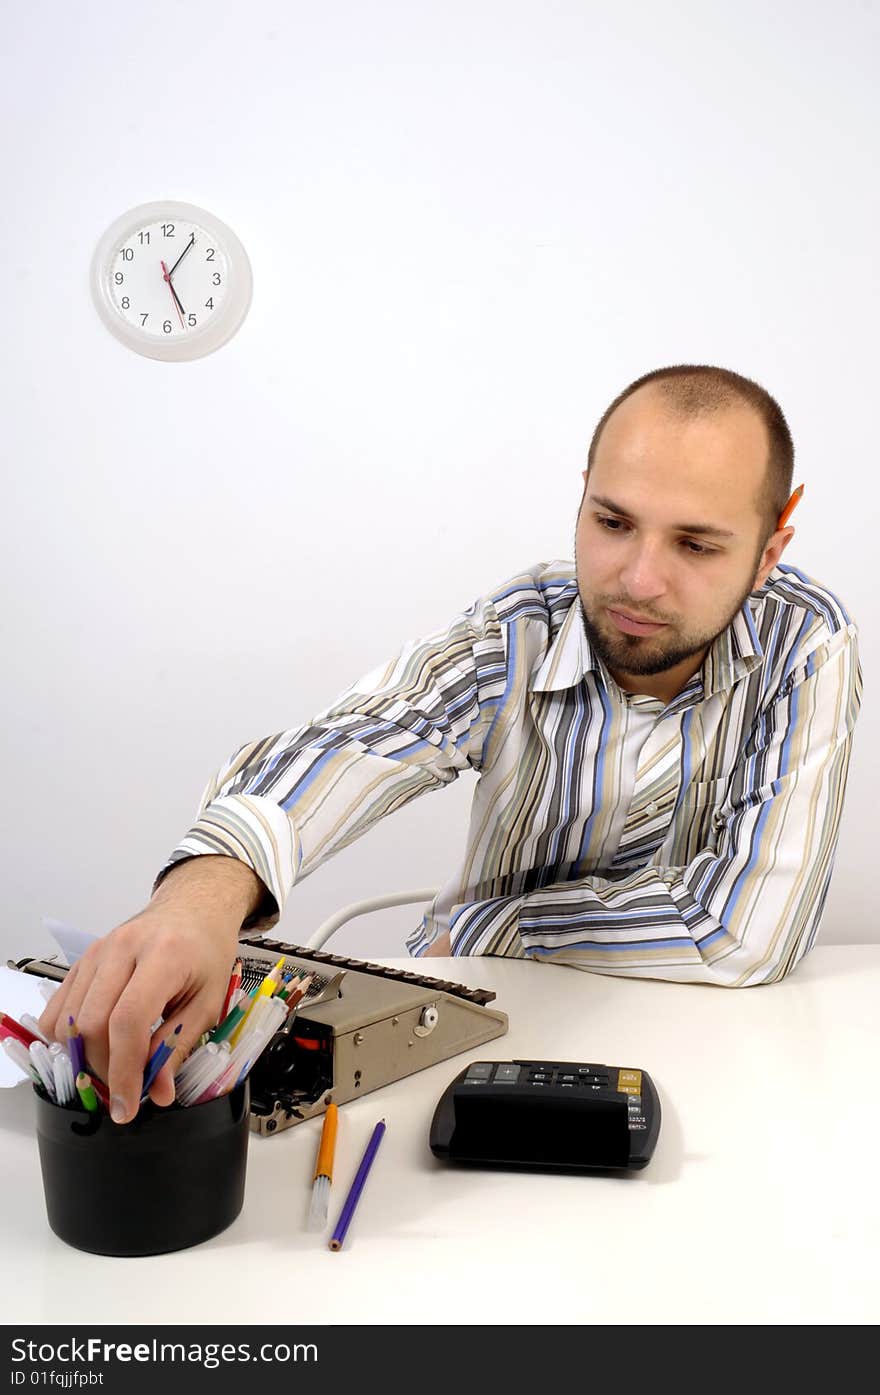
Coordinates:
[643,655]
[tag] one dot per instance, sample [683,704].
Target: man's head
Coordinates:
[688,471]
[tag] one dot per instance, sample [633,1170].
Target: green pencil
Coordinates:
[86,1091]
[229,1023]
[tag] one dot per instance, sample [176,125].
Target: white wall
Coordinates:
[470,223]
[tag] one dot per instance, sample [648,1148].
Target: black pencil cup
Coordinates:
[171,1178]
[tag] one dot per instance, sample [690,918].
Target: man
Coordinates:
[662,737]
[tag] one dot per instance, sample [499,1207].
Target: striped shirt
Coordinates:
[690,841]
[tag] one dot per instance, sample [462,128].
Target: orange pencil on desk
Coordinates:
[323,1171]
[790,507]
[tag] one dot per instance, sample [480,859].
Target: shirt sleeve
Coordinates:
[285,804]
[748,906]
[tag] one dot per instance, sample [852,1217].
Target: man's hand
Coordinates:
[171,961]
[441,948]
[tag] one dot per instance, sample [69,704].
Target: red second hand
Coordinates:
[176,306]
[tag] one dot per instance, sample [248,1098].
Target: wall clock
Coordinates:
[171,280]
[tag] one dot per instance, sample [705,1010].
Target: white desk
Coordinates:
[760,1204]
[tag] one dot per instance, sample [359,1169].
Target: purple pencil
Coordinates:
[357,1187]
[75,1048]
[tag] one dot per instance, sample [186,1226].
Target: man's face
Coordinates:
[670,540]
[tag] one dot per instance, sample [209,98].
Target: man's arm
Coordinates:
[285,804]
[747,908]
[272,814]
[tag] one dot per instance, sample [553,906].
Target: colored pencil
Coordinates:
[323,1177]
[158,1059]
[299,991]
[232,989]
[357,1187]
[86,1092]
[75,1047]
[790,507]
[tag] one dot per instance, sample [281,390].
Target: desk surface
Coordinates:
[758,1206]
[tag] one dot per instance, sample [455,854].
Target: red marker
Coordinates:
[9,1027]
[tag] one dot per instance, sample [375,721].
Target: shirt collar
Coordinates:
[734,653]
[570,655]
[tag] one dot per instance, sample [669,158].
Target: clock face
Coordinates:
[171,281]
[169,277]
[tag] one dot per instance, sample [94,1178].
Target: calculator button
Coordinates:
[630,1081]
[506,1073]
[480,1070]
[569,1079]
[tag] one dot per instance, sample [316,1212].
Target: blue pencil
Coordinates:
[158,1059]
[357,1187]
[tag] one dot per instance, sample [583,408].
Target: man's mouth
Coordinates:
[631,625]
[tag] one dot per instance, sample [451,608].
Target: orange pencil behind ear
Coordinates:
[789,508]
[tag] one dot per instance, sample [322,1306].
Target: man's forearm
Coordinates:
[208,884]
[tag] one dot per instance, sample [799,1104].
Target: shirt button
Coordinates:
[652,807]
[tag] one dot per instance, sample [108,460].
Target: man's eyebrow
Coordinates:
[706,529]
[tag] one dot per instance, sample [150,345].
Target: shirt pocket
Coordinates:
[697,823]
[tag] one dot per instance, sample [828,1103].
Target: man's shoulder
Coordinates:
[789,593]
[543,592]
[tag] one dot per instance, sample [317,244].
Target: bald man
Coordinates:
[661,732]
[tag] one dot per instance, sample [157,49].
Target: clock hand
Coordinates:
[167,276]
[192,238]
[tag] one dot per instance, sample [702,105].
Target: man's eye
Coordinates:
[697,549]
[613,525]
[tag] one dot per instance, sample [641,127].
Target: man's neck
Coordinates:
[663,686]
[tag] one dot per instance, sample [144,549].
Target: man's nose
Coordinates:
[643,573]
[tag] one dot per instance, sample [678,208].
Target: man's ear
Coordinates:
[773,550]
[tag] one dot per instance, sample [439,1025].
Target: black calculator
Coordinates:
[547,1115]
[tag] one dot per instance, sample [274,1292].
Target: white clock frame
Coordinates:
[203,339]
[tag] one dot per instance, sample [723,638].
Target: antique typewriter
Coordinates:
[360,1026]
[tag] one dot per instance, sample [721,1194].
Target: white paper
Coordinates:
[71,942]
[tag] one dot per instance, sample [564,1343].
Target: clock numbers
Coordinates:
[171,281]
[157,293]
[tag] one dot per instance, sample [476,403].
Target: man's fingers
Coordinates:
[195,1020]
[158,964]
[139,1005]
[92,1006]
[162,1089]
